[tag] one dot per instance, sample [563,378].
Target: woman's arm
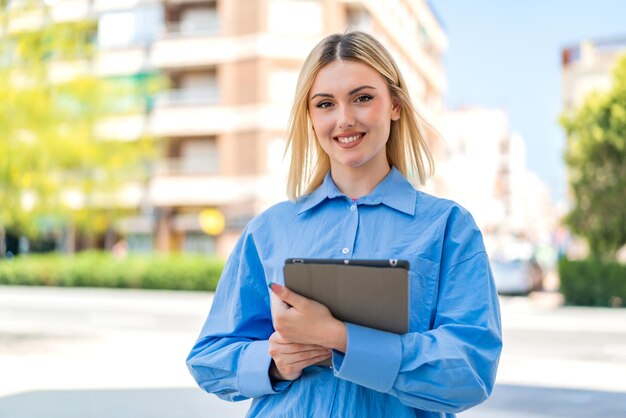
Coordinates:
[231,356]
[449,368]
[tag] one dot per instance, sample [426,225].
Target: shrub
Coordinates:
[593,282]
[99,269]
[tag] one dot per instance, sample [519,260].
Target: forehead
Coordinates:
[343,76]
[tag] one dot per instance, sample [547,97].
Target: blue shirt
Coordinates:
[447,361]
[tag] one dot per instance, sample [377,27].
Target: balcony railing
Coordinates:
[189,96]
[186,166]
[189,28]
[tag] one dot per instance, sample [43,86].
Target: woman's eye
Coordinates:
[364,98]
[323,105]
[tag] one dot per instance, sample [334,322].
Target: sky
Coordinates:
[506,54]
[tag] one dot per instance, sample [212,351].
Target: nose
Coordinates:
[346,118]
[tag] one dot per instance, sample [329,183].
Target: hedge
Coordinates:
[593,282]
[99,269]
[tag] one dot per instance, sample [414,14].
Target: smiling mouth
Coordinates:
[349,139]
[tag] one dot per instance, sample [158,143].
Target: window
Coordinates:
[130,27]
[192,18]
[199,19]
[198,242]
[192,87]
[199,156]
[140,243]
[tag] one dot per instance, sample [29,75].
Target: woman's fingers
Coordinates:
[296,352]
[313,360]
[304,356]
[288,296]
[296,348]
[290,366]
[276,338]
[291,358]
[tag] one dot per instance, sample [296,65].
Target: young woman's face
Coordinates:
[351,110]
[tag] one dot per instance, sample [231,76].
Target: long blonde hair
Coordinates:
[406,148]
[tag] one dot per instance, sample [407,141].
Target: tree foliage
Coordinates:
[596,158]
[55,166]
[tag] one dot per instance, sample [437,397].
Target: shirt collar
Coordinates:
[393,191]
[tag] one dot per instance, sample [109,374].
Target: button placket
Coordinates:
[353,219]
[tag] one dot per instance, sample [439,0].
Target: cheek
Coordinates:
[374,115]
[322,125]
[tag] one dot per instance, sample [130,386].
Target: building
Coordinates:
[485,171]
[587,67]
[230,67]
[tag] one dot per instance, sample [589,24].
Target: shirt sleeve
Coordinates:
[231,357]
[451,367]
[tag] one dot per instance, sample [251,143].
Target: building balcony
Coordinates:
[202,49]
[189,118]
[202,190]
[173,167]
[121,61]
[179,2]
[182,41]
[188,96]
[101,6]
[127,196]
[189,28]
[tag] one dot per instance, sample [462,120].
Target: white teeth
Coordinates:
[348,139]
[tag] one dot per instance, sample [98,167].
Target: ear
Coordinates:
[396,108]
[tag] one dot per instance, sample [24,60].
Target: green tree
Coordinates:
[596,158]
[56,167]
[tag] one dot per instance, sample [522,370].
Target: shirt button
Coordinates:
[352,208]
[345,250]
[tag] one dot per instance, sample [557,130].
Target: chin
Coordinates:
[352,163]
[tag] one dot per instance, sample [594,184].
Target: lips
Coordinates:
[349,141]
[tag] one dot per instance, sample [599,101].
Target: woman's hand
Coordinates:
[305,321]
[289,359]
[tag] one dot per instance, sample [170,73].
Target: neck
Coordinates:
[356,183]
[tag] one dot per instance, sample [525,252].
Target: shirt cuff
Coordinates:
[372,358]
[253,377]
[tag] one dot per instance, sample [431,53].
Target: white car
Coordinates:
[516,277]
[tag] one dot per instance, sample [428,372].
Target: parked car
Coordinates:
[516,277]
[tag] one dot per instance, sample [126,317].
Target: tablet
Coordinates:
[372,293]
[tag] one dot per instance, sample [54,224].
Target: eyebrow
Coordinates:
[350,93]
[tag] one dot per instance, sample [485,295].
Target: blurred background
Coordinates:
[138,138]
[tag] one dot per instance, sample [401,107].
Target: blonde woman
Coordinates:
[355,139]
